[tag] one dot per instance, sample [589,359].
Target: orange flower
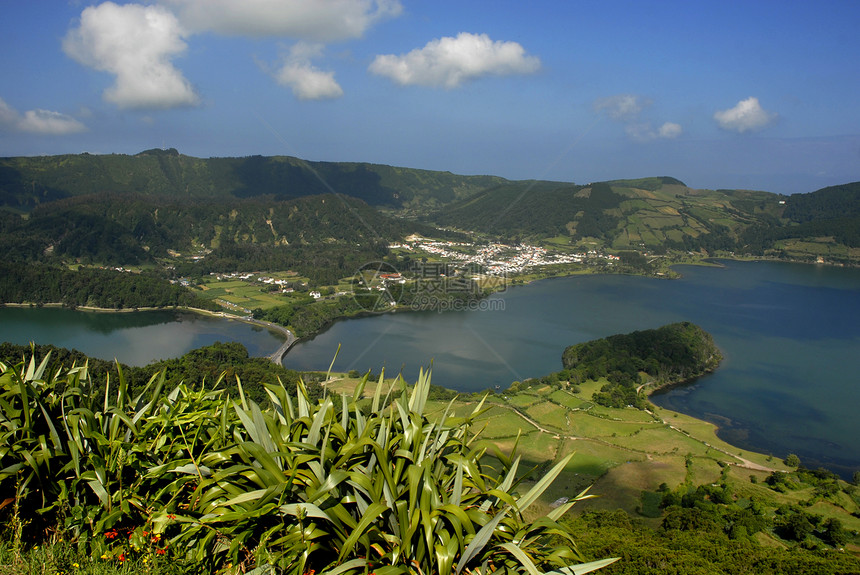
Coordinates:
[121,557]
[160,551]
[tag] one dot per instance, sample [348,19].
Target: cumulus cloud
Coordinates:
[448,62]
[307,81]
[38,121]
[315,20]
[669,130]
[746,116]
[627,109]
[136,44]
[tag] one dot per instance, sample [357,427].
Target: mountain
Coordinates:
[131,209]
[653,213]
[26,182]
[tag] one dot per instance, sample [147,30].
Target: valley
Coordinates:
[297,246]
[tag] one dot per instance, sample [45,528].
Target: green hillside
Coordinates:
[662,214]
[650,212]
[26,182]
[122,209]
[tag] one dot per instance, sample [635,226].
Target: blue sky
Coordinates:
[754,94]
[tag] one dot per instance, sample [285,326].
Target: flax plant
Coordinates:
[344,485]
[323,487]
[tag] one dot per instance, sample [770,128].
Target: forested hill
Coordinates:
[28,181]
[825,204]
[662,213]
[331,233]
[670,354]
[654,213]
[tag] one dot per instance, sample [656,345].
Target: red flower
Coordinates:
[110,534]
[121,557]
[160,551]
[171,516]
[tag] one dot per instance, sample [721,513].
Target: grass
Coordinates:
[567,399]
[660,441]
[583,424]
[503,422]
[64,559]
[550,415]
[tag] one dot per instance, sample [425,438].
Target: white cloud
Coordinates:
[747,115]
[307,81]
[627,109]
[448,62]
[38,121]
[316,20]
[670,130]
[137,44]
[624,107]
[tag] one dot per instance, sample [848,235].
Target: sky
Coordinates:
[754,94]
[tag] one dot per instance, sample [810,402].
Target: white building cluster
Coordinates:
[498,259]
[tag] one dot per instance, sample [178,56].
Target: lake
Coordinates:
[137,338]
[789,333]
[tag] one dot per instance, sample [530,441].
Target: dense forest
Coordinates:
[92,287]
[691,541]
[132,229]
[670,354]
[537,209]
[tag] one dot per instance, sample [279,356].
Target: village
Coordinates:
[497,259]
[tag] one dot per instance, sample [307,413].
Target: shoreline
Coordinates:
[276,357]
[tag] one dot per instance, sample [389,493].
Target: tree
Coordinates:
[795,526]
[792,460]
[834,533]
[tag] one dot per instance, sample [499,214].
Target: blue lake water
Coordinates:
[790,335]
[137,338]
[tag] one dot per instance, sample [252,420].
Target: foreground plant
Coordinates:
[335,486]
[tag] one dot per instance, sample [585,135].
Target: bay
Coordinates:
[133,338]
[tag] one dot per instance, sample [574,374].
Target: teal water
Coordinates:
[132,338]
[790,335]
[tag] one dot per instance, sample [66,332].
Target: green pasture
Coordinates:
[583,424]
[523,399]
[503,422]
[550,415]
[622,413]
[659,440]
[567,399]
